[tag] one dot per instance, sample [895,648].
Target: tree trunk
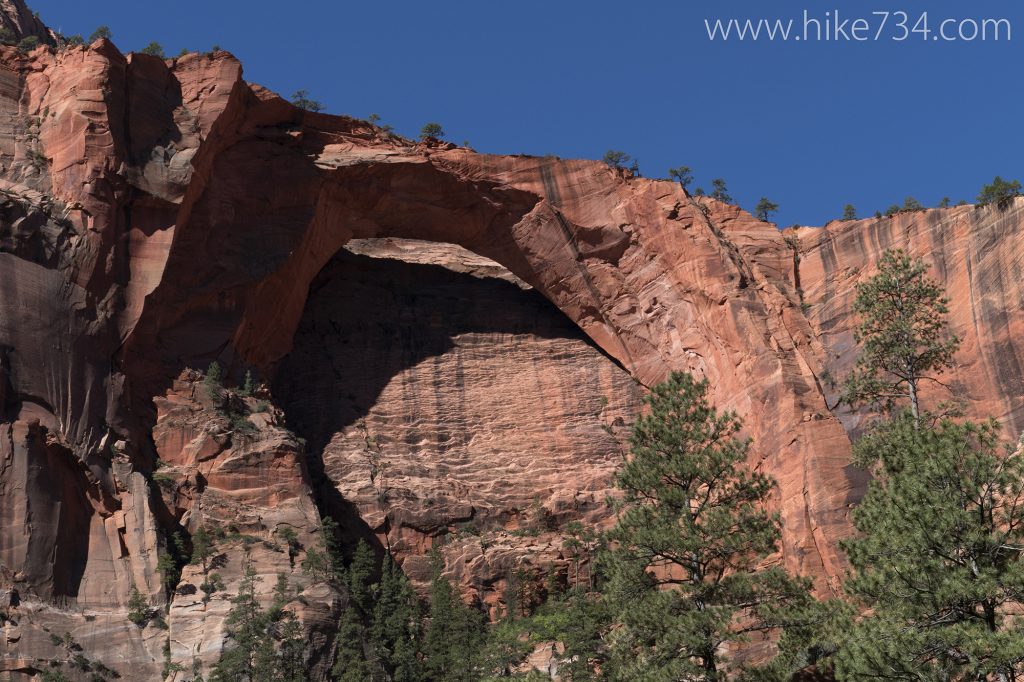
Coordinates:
[915,407]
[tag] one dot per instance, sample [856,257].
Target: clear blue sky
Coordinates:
[811,125]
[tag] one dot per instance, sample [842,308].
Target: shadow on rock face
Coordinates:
[371,322]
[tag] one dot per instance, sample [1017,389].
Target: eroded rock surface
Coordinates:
[474,384]
[975,254]
[449,402]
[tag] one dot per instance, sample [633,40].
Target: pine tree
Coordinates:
[912,204]
[902,334]
[454,634]
[168,569]
[765,208]
[616,159]
[360,578]
[267,645]
[291,663]
[720,192]
[323,562]
[938,560]
[691,535]
[202,547]
[587,618]
[291,539]
[138,608]
[395,630]
[432,130]
[245,625]
[154,49]
[849,212]
[212,382]
[302,100]
[100,32]
[1000,192]
[350,664]
[248,385]
[683,175]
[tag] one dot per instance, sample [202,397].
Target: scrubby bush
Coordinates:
[154,49]
[28,43]
[912,204]
[302,100]
[616,159]
[720,192]
[683,175]
[100,32]
[138,608]
[1000,192]
[433,130]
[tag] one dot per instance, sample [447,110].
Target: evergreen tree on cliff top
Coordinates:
[902,334]
[685,576]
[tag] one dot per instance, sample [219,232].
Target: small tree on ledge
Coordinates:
[683,175]
[154,49]
[765,209]
[902,334]
[1000,192]
[616,159]
[100,32]
[138,608]
[433,130]
[302,100]
[720,192]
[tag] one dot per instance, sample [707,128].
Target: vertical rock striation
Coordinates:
[460,339]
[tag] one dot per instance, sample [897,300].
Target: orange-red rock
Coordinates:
[462,340]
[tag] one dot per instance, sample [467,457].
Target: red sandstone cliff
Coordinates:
[455,343]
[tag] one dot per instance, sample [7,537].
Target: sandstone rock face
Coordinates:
[974,254]
[461,340]
[22,22]
[228,465]
[449,400]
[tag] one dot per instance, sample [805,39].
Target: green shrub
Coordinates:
[720,192]
[683,175]
[433,130]
[213,381]
[912,204]
[100,32]
[210,586]
[616,159]
[154,49]
[248,386]
[138,608]
[28,43]
[765,208]
[1000,192]
[302,100]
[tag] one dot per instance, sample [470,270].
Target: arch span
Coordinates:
[655,279]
